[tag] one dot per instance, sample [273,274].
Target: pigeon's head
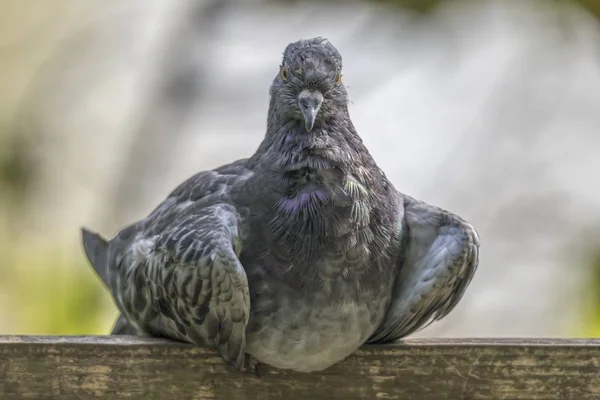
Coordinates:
[308,86]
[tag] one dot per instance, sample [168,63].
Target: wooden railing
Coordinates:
[83,367]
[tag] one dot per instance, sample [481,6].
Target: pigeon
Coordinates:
[294,257]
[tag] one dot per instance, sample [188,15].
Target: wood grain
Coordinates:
[138,368]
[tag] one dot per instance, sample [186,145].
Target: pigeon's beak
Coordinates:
[310,103]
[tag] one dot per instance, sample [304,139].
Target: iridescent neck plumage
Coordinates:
[319,180]
[323,195]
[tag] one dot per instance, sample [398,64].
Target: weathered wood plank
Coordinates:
[129,367]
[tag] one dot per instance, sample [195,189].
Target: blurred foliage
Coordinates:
[50,292]
[592,294]
[44,289]
[16,168]
[419,6]
[425,6]
[592,6]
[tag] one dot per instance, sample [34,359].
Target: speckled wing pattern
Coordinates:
[440,256]
[179,276]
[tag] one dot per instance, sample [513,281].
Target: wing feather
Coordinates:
[440,257]
[179,276]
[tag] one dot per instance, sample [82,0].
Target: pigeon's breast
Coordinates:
[318,285]
[293,329]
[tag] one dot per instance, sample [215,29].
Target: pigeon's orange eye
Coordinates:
[338,82]
[284,73]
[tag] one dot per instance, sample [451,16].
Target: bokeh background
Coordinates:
[488,108]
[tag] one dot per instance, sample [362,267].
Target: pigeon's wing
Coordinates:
[440,255]
[180,276]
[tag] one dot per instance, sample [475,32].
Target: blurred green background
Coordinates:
[46,285]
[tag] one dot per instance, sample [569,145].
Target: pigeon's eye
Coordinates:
[338,81]
[284,73]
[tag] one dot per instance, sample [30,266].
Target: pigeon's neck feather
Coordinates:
[319,183]
[321,202]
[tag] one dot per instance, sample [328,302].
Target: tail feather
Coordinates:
[96,250]
[123,327]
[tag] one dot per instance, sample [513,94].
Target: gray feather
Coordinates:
[176,273]
[123,327]
[440,257]
[96,250]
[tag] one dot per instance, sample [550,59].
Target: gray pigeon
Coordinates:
[297,255]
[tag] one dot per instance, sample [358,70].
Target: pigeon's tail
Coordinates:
[96,250]
[123,327]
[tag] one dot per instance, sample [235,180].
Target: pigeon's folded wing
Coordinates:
[439,257]
[181,277]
